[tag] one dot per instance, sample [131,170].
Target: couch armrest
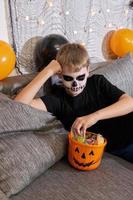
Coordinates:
[12,85]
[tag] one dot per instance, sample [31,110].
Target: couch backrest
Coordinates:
[119,72]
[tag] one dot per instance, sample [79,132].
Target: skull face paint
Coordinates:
[75,82]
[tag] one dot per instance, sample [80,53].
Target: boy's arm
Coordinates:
[28,93]
[122,107]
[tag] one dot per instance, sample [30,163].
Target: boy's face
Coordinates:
[74,82]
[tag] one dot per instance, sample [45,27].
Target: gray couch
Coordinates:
[113,180]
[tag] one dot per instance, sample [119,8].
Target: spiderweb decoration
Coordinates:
[85,22]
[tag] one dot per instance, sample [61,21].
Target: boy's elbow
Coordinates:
[127,98]
[17,99]
[38,104]
[21,100]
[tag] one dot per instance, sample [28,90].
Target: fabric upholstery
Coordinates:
[113,180]
[12,85]
[30,142]
[119,72]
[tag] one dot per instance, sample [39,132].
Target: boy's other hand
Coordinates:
[54,67]
[81,124]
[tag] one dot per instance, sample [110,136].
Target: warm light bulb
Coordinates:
[50,3]
[126,11]
[27,18]
[110,25]
[92,12]
[67,13]
[90,30]
[108,10]
[75,32]
[42,22]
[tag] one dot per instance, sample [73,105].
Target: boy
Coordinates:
[84,102]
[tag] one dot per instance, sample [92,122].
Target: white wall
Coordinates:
[3,26]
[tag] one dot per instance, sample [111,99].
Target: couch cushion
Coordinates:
[113,180]
[96,65]
[119,72]
[30,142]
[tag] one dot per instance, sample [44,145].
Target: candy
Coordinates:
[90,138]
[80,139]
[100,139]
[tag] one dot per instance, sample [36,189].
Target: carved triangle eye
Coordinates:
[77,150]
[83,156]
[91,153]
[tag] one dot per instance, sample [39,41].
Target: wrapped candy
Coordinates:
[90,138]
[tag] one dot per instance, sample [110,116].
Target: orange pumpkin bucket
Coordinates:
[84,156]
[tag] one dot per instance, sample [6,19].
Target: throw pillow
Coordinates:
[30,142]
[119,73]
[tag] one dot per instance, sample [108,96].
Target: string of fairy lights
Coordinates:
[93,12]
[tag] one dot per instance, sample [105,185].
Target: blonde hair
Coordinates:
[74,56]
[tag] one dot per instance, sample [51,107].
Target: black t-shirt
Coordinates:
[97,94]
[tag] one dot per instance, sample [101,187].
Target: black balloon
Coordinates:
[47,48]
[131,4]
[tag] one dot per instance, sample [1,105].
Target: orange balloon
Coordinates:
[121,42]
[7,59]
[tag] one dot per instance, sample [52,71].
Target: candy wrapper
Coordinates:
[90,138]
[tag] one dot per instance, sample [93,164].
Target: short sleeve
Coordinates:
[52,104]
[110,91]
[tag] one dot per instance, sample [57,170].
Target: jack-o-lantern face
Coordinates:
[82,161]
[85,159]
[84,156]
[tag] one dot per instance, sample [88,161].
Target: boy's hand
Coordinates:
[82,123]
[54,67]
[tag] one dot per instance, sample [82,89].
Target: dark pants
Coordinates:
[126,153]
[119,134]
